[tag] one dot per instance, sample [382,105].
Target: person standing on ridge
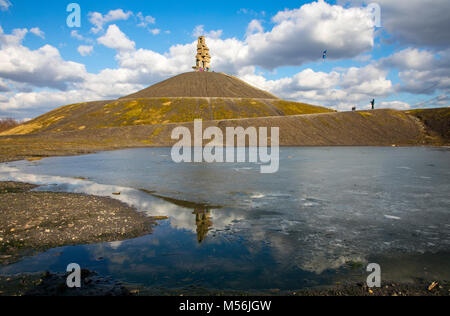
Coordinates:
[373,104]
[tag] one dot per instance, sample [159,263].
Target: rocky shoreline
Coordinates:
[33,222]
[48,284]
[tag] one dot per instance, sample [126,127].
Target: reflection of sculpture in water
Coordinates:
[203,222]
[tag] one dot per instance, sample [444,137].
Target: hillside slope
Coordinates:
[374,128]
[437,124]
[202,85]
[152,111]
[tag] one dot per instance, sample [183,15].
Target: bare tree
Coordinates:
[8,123]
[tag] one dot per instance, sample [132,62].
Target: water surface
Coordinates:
[231,227]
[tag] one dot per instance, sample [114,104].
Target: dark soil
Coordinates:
[418,288]
[202,84]
[48,284]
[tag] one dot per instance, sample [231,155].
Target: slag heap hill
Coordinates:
[202,94]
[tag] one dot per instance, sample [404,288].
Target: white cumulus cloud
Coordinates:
[43,67]
[414,22]
[396,105]
[199,30]
[99,20]
[155,31]
[85,50]
[116,39]
[301,35]
[144,21]
[38,32]
[4,5]
[255,26]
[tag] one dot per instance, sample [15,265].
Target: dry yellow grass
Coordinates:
[155,111]
[24,129]
[382,128]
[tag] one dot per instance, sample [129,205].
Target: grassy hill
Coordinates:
[366,128]
[183,98]
[153,111]
[437,124]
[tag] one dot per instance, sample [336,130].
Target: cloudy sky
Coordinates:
[124,46]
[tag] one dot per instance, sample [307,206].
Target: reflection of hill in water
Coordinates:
[181,203]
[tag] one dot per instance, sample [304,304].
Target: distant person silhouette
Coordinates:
[373,104]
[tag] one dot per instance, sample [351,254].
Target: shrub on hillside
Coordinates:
[8,123]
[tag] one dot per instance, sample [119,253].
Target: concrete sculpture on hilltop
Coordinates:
[203,59]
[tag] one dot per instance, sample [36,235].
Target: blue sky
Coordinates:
[123,46]
[178,17]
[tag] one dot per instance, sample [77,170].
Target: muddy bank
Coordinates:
[417,288]
[48,284]
[33,222]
